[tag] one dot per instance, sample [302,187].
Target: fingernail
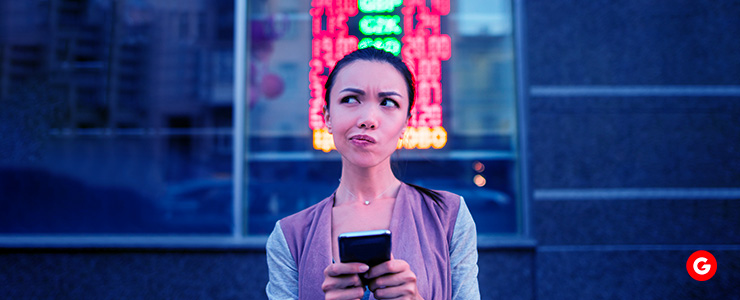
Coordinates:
[364,268]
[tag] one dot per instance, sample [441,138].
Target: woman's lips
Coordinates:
[362,140]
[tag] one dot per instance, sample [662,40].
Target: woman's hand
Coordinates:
[342,281]
[393,280]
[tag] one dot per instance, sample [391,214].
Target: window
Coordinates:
[464,136]
[118,118]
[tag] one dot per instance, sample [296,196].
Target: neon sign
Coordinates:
[378,6]
[390,44]
[380,24]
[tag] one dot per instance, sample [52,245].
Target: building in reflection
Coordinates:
[123,68]
[122,64]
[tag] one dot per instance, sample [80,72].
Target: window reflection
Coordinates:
[118,116]
[478,108]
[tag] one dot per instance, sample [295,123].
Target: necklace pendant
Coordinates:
[367,202]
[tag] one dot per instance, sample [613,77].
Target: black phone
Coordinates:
[368,247]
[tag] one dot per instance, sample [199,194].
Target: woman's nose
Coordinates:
[368,119]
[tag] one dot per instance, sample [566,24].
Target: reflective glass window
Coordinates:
[116,117]
[463,129]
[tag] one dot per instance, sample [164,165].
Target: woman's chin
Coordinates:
[362,159]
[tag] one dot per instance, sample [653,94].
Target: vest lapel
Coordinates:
[406,225]
[318,254]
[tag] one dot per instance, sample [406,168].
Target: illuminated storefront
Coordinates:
[462,136]
[155,140]
[412,30]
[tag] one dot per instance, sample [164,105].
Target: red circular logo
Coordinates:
[701,265]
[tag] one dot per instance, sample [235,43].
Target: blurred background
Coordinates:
[147,147]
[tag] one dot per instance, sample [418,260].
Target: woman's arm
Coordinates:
[464,256]
[283,273]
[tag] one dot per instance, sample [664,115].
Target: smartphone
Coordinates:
[368,247]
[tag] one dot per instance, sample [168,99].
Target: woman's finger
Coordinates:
[340,282]
[338,269]
[351,293]
[396,292]
[389,267]
[393,280]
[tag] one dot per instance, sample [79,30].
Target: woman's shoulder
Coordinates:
[442,198]
[441,205]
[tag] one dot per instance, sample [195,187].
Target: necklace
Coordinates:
[367,202]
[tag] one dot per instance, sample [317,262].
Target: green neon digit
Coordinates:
[392,45]
[389,44]
[364,43]
[380,25]
[378,6]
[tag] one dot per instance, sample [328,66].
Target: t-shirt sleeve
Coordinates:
[464,256]
[282,270]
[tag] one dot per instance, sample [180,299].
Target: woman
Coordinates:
[369,95]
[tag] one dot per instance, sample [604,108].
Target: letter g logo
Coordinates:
[701,265]
[704,269]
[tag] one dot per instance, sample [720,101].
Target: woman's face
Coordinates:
[367,112]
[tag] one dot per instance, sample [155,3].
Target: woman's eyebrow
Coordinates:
[386,94]
[353,90]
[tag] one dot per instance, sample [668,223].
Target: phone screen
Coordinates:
[368,247]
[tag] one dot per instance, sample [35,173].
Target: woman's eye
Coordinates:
[389,102]
[349,99]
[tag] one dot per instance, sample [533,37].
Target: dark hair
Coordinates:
[436,196]
[373,54]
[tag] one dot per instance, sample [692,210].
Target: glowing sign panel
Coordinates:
[422,46]
[378,6]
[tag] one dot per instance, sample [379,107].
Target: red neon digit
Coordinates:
[345,45]
[424,93]
[430,22]
[340,25]
[408,19]
[413,47]
[429,69]
[412,3]
[345,7]
[435,115]
[436,92]
[440,46]
[321,3]
[440,7]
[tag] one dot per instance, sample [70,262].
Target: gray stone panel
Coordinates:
[132,275]
[613,142]
[633,42]
[506,274]
[628,222]
[633,275]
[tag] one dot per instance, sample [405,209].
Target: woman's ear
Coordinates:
[327,119]
[403,131]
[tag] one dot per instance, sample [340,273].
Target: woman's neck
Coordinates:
[367,184]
